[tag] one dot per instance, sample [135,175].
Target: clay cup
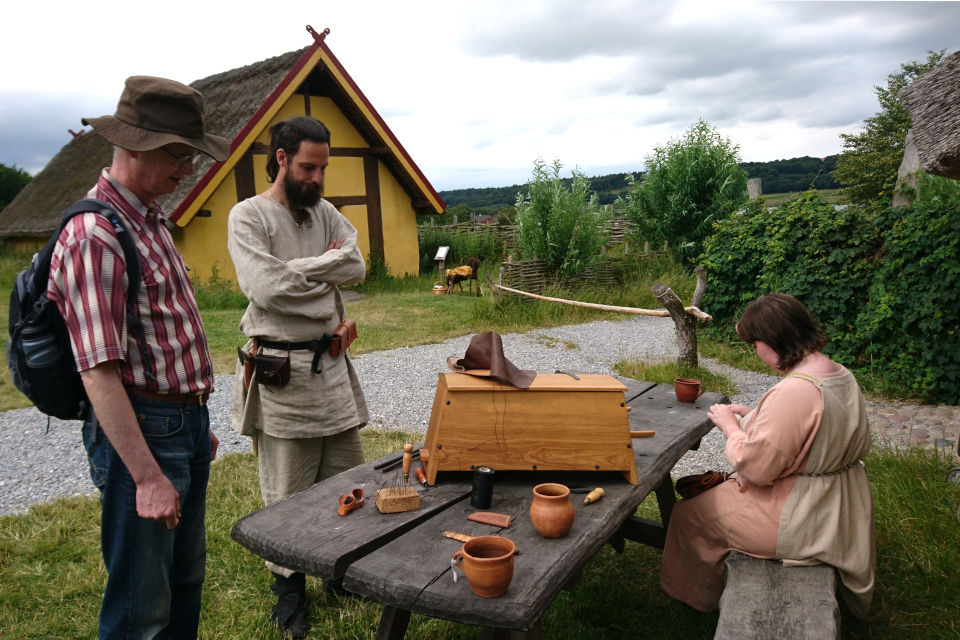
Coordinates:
[688,389]
[487,562]
[551,512]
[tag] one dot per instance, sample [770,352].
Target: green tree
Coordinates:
[871,158]
[557,223]
[691,183]
[12,181]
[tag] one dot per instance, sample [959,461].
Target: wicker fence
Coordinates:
[533,275]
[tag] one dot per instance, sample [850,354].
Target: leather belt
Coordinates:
[317,346]
[175,398]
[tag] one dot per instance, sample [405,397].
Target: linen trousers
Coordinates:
[289,465]
[154,574]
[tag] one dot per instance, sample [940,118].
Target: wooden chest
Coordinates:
[559,423]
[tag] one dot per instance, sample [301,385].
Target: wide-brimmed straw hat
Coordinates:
[154,112]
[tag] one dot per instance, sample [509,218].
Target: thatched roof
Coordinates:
[230,100]
[933,101]
[36,210]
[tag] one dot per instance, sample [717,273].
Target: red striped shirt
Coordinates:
[88,281]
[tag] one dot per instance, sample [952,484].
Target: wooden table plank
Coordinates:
[402,560]
[413,571]
[304,532]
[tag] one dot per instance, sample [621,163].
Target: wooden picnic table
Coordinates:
[403,561]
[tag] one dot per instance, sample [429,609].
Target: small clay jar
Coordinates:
[487,562]
[551,512]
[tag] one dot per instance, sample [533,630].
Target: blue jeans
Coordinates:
[154,574]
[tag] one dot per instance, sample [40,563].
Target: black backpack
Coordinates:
[39,353]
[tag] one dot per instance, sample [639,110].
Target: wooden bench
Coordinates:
[764,599]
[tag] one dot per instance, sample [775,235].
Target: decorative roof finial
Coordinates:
[318,37]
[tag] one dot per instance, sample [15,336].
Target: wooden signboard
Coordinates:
[559,423]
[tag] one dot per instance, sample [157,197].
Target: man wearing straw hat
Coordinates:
[148,437]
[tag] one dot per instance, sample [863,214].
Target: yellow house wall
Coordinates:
[357,215]
[203,242]
[400,242]
[25,244]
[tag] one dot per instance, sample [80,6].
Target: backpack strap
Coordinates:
[131,257]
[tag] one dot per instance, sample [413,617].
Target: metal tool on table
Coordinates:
[400,497]
[421,477]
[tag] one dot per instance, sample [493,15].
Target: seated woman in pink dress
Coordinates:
[801,493]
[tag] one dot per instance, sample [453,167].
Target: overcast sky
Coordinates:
[476,91]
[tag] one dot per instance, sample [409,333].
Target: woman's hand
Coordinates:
[725,417]
[739,409]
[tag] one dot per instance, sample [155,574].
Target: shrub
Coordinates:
[911,324]
[885,287]
[691,183]
[217,293]
[806,248]
[559,224]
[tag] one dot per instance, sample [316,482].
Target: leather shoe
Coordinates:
[290,612]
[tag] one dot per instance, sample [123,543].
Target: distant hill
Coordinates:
[796,174]
[606,187]
[779,176]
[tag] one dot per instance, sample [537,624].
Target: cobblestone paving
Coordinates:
[906,425]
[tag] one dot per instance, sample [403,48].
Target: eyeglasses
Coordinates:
[181,159]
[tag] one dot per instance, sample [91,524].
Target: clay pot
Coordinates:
[688,389]
[487,562]
[551,512]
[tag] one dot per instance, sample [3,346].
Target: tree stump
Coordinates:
[685,322]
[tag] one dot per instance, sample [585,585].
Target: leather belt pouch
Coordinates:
[343,337]
[271,371]
[692,486]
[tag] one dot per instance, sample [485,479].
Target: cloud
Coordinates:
[726,64]
[33,126]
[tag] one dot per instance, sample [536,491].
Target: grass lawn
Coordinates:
[53,577]
[777,199]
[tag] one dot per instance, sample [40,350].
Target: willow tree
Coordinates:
[558,223]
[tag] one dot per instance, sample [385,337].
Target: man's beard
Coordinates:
[301,196]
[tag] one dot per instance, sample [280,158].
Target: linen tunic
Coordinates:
[801,425]
[291,281]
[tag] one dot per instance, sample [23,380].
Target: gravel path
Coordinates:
[38,466]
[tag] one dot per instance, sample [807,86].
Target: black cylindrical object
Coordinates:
[482,493]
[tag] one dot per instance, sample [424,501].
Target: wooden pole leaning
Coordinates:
[659,313]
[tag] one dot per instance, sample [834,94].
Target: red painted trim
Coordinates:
[393,138]
[237,139]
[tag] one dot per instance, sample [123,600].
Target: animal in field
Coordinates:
[467,272]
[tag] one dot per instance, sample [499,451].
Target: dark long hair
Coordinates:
[288,135]
[785,324]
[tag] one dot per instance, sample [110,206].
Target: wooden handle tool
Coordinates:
[641,434]
[407,460]
[462,537]
[421,476]
[593,496]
